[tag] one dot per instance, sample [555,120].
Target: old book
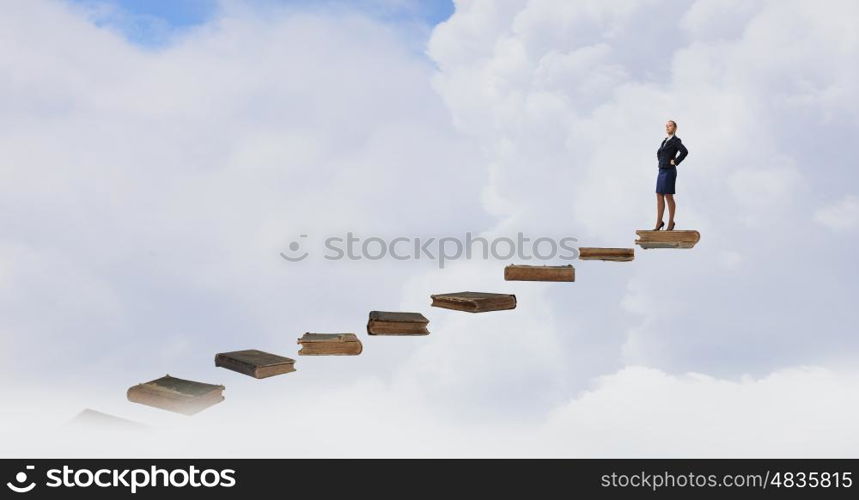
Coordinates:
[474,301]
[397,323]
[257,364]
[515,272]
[667,239]
[176,394]
[329,344]
[610,254]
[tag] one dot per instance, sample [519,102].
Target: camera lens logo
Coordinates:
[21,478]
[295,247]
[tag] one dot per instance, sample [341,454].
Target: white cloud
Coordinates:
[798,412]
[764,188]
[586,161]
[839,216]
[635,412]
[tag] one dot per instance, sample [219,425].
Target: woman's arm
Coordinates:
[683,152]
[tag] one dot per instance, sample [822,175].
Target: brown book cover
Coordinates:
[667,239]
[329,344]
[515,272]
[397,323]
[257,364]
[609,254]
[176,394]
[474,302]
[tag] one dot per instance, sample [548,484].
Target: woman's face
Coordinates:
[670,127]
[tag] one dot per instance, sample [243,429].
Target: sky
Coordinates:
[154,23]
[157,163]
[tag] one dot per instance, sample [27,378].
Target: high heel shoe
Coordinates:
[661,223]
[671,226]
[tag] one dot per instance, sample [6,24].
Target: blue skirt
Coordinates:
[665,180]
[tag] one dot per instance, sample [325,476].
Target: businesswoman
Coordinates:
[668,157]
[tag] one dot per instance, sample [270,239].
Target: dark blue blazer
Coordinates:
[668,151]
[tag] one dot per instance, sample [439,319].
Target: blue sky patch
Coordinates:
[152,22]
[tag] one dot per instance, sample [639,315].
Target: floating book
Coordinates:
[176,394]
[474,301]
[667,239]
[257,364]
[515,272]
[611,254]
[329,344]
[397,323]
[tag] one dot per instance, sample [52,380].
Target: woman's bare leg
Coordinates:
[671,207]
[660,208]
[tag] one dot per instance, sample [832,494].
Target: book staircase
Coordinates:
[189,397]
